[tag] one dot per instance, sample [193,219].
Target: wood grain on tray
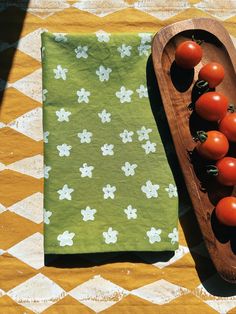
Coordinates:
[177,92]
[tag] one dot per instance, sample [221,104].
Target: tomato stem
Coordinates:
[212,170]
[203,85]
[201,136]
[197,41]
[231,108]
[191,106]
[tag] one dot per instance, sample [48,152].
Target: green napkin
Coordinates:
[108,185]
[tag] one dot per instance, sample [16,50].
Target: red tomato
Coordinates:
[228,126]
[212,145]
[226,211]
[188,54]
[226,171]
[212,106]
[213,73]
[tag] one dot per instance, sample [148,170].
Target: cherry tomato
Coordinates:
[212,145]
[228,126]
[188,54]
[212,106]
[226,211]
[226,171]
[213,73]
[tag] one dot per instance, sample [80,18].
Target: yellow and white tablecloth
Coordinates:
[104,283]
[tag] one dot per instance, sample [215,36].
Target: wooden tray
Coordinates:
[177,92]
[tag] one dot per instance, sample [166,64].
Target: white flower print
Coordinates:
[145,38]
[46,215]
[107,150]
[63,115]
[83,95]
[45,136]
[154,235]
[142,91]
[172,190]
[149,147]
[174,236]
[126,136]
[86,171]
[60,73]
[64,150]
[46,171]
[60,37]
[81,52]
[129,169]
[124,50]
[150,189]
[88,213]
[103,73]
[110,236]
[66,238]
[45,91]
[124,94]
[65,193]
[144,50]
[103,36]
[85,136]
[143,133]
[104,116]
[131,212]
[109,191]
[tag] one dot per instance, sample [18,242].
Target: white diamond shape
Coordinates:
[31,207]
[222,306]
[45,8]
[31,44]
[101,7]
[2,208]
[29,124]
[2,252]
[30,250]
[2,166]
[37,293]
[160,292]
[98,293]
[31,166]
[219,286]
[1,293]
[218,8]
[162,9]
[179,253]
[31,85]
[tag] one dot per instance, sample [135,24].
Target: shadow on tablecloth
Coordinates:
[9,35]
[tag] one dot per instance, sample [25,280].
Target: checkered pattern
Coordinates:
[110,283]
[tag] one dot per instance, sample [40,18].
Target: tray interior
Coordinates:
[205,191]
